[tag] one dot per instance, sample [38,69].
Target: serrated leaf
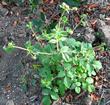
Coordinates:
[89,80]
[89,67]
[67,66]
[65,57]
[9,48]
[64,19]
[46,100]
[67,82]
[65,49]
[61,73]
[70,74]
[91,88]
[77,90]
[78,84]
[45,91]
[62,87]
[73,86]
[84,75]
[84,86]
[28,45]
[54,95]
[97,65]
[93,73]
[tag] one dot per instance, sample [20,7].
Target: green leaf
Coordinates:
[46,100]
[28,45]
[78,84]
[69,30]
[91,88]
[67,66]
[42,16]
[65,7]
[9,48]
[70,74]
[54,95]
[61,87]
[56,58]
[67,82]
[61,73]
[84,86]
[77,90]
[89,80]
[29,25]
[89,67]
[38,24]
[84,75]
[73,86]
[46,83]
[65,49]
[97,65]
[65,57]
[64,19]
[93,73]
[55,89]
[45,91]
[71,42]
[53,41]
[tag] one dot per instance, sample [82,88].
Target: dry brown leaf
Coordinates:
[93,23]
[15,23]
[4,3]
[92,6]
[94,97]
[103,10]
[8,87]
[108,21]
[76,19]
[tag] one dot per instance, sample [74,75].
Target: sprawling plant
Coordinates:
[64,62]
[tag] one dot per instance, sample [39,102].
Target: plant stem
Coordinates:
[33,32]
[21,48]
[77,25]
[42,53]
[59,23]
[57,46]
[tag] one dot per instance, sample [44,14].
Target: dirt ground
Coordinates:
[14,65]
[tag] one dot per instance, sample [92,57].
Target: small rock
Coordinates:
[3,100]
[89,35]
[3,11]
[108,21]
[105,30]
[10,102]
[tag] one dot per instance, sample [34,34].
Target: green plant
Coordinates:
[33,4]
[64,62]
